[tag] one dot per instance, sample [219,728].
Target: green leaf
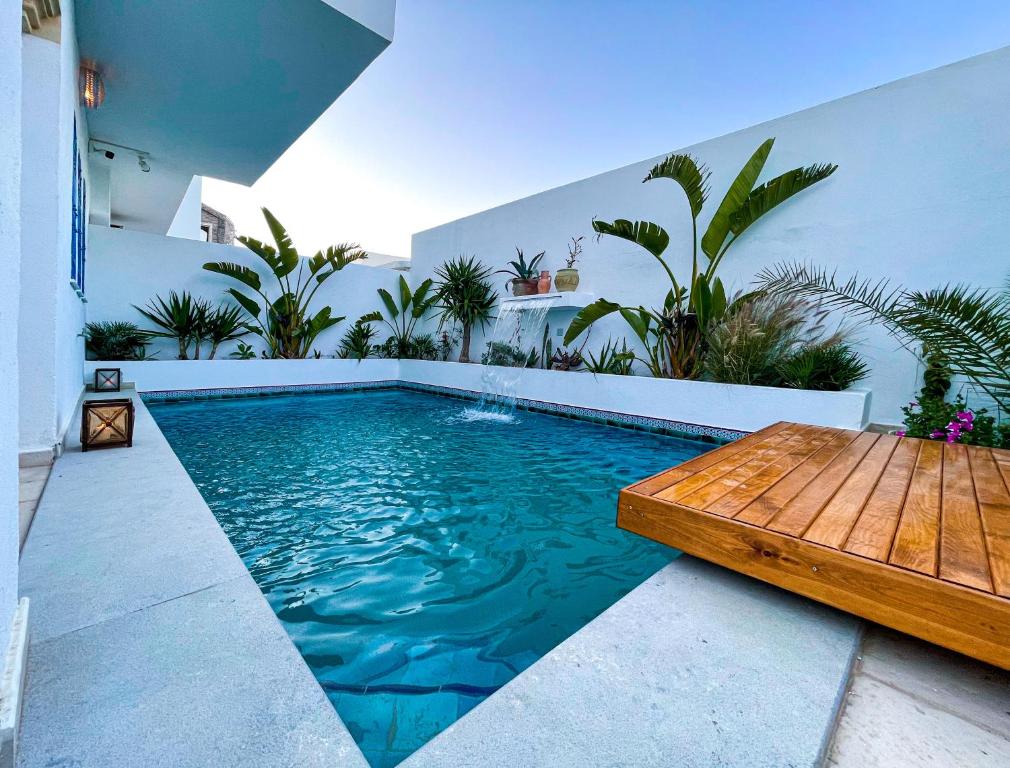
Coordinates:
[405,295]
[685,171]
[287,255]
[650,236]
[250,306]
[421,300]
[387,299]
[718,228]
[589,315]
[238,272]
[371,317]
[775,192]
[639,322]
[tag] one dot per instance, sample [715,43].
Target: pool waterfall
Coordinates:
[515,337]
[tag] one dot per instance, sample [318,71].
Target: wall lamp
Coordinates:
[92,87]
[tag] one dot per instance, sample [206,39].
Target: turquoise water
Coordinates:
[420,561]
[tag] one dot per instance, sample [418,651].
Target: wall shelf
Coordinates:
[554,299]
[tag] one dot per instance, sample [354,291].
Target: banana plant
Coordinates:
[404,313]
[286,323]
[673,334]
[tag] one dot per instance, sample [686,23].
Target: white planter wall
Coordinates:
[920,197]
[716,405]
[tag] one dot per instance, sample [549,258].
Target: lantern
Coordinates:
[106,424]
[108,379]
[92,87]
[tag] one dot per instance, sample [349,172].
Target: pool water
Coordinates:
[419,560]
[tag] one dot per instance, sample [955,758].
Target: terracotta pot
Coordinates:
[524,287]
[566,279]
[544,283]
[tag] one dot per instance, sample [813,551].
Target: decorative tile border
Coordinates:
[650,424]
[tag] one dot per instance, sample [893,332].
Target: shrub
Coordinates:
[829,367]
[115,340]
[357,341]
[509,355]
[935,419]
[611,359]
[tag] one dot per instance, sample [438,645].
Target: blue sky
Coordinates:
[478,102]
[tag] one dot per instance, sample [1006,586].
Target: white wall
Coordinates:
[52,314]
[922,196]
[10,253]
[187,218]
[130,268]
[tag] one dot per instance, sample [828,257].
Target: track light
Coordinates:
[143,164]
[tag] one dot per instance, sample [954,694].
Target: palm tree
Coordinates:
[673,334]
[222,324]
[464,295]
[970,325]
[180,318]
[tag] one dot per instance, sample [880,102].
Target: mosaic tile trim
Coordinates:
[611,418]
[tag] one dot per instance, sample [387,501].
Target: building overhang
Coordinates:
[215,88]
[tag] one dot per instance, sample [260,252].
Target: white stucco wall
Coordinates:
[52,317]
[10,250]
[129,267]
[187,219]
[921,196]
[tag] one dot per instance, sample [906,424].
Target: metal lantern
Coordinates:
[108,379]
[92,87]
[106,424]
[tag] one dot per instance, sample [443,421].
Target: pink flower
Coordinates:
[967,416]
[900,433]
[937,433]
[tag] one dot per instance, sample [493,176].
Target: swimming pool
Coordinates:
[418,560]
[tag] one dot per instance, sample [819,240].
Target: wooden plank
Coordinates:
[965,620]
[756,484]
[833,525]
[668,477]
[915,541]
[994,509]
[764,507]
[702,497]
[873,533]
[727,464]
[963,557]
[796,516]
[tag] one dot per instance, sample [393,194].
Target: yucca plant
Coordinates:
[357,341]
[222,324]
[465,297]
[404,312]
[182,318]
[115,340]
[286,323]
[971,325]
[673,334]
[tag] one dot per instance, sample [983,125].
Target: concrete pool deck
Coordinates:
[151,645]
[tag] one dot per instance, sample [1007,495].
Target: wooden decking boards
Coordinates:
[912,534]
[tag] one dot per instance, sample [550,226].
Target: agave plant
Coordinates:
[673,334]
[182,318]
[220,325]
[404,312]
[286,323]
[520,269]
[465,297]
[970,325]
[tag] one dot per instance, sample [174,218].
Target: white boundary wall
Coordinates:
[128,268]
[921,196]
[726,406]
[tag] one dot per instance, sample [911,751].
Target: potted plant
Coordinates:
[567,279]
[524,276]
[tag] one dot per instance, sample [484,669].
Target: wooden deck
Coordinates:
[912,534]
